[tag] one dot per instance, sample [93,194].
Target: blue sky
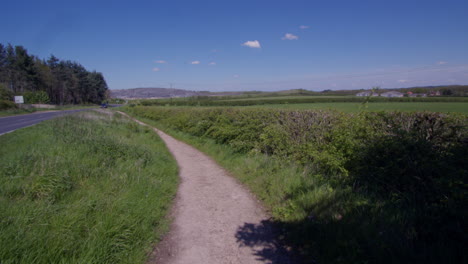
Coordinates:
[250,45]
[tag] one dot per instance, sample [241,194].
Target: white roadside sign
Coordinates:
[19,100]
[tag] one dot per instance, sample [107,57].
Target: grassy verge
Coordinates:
[345,188]
[18,111]
[22,111]
[87,188]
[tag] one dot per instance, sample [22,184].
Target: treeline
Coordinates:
[47,81]
[369,187]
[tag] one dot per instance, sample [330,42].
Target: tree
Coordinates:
[3,63]
[5,94]
[447,92]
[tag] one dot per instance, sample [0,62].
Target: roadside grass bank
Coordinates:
[85,188]
[21,111]
[345,188]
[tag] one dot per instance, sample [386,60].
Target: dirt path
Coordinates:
[216,220]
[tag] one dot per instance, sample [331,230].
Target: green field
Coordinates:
[281,98]
[86,188]
[453,107]
[340,103]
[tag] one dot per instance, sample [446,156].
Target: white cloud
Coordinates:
[303,27]
[156,69]
[252,44]
[195,62]
[442,62]
[290,36]
[402,81]
[212,63]
[160,61]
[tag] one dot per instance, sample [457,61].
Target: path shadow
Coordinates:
[263,240]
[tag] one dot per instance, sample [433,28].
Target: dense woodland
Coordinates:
[47,81]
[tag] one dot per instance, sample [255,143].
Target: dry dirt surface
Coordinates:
[215,219]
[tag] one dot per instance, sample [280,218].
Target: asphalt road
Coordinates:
[11,123]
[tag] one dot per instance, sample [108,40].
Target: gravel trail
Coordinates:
[215,219]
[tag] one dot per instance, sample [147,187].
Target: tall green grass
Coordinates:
[87,188]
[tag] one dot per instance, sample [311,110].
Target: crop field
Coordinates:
[345,103]
[281,98]
[453,107]
[350,104]
[86,188]
[367,187]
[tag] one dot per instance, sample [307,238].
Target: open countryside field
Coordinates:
[340,103]
[234,132]
[87,188]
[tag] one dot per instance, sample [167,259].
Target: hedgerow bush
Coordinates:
[393,184]
[39,97]
[6,98]
[5,104]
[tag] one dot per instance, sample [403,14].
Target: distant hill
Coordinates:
[154,93]
[147,93]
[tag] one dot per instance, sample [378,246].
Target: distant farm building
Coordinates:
[392,94]
[367,93]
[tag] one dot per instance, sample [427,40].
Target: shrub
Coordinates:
[5,94]
[4,105]
[39,97]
